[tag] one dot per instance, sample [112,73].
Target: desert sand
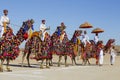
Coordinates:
[77,72]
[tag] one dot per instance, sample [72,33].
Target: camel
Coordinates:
[92,50]
[66,47]
[37,49]
[58,46]
[9,44]
[73,46]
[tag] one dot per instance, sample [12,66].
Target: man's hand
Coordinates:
[47,28]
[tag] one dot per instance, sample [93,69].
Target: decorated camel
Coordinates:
[65,47]
[59,39]
[73,46]
[37,49]
[92,50]
[9,44]
[52,45]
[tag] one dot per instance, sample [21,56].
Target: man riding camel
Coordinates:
[43,29]
[85,38]
[4,22]
[96,38]
[61,31]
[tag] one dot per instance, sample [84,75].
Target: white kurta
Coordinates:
[112,56]
[101,57]
[43,29]
[96,39]
[85,39]
[2,20]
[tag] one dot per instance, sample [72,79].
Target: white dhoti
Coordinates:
[4,20]
[101,57]
[1,31]
[84,41]
[43,36]
[112,58]
[101,60]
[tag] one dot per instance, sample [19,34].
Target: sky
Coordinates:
[104,14]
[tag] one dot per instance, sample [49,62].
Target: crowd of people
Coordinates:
[5,23]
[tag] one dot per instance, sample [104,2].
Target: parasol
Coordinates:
[86,25]
[97,30]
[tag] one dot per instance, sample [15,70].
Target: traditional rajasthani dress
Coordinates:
[101,57]
[112,56]
[3,24]
[43,29]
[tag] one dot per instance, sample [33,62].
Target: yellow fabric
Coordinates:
[62,37]
[30,33]
[4,25]
[78,41]
[75,49]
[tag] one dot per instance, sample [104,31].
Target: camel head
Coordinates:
[77,33]
[109,45]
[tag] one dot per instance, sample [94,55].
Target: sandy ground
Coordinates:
[77,72]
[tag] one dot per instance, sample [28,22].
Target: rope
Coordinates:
[15,25]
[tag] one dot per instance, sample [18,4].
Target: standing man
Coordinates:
[101,54]
[4,22]
[112,55]
[43,28]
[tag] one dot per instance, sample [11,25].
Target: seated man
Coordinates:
[43,28]
[96,38]
[60,32]
[85,39]
[4,22]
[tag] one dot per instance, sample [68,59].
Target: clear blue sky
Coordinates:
[104,14]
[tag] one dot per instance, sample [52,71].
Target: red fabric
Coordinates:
[25,36]
[0,57]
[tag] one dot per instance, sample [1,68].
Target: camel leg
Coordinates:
[41,65]
[28,55]
[74,60]
[50,62]
[1,66]
[23,58]
[60,57]
[78,55]
[47,61]
[66,61]
[85,62]
[7,66]
[97,60]
[82,61]
[88,61]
